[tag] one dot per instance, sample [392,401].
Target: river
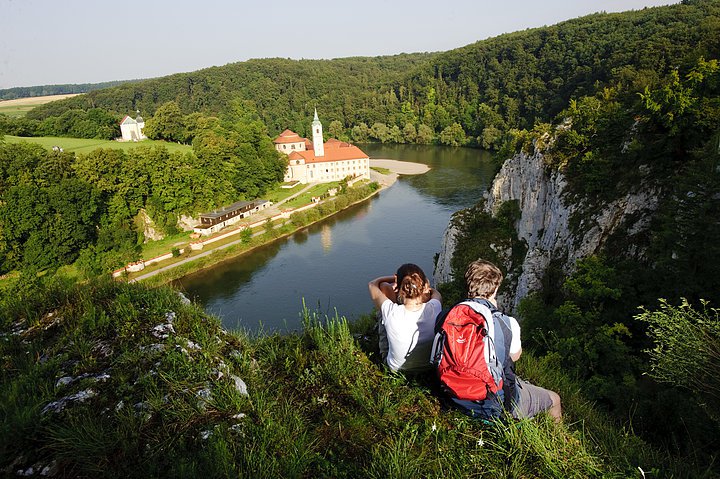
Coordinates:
[329,264]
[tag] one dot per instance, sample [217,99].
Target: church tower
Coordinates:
[317,136]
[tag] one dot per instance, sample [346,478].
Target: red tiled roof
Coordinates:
[335,150]
[288,136]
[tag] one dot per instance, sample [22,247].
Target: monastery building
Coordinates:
[318,161]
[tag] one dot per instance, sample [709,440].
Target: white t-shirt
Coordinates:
[515,343]
[410,334]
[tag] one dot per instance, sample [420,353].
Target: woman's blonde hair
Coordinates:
[482,278]
[412,283]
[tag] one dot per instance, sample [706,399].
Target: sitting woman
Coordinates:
[408,306]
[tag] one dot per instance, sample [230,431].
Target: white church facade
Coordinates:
[318,161]
[131,128]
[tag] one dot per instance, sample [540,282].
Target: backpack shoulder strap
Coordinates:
[486,313]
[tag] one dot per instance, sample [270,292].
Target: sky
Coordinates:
[45,42]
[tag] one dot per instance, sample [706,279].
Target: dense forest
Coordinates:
[612,101]
[472,95]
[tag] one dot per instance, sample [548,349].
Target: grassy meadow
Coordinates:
[84,146]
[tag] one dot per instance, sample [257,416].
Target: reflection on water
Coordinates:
[328,265]
[326,237]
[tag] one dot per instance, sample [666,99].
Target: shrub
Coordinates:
[686,350]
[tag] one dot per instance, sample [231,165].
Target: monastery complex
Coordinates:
[317,161]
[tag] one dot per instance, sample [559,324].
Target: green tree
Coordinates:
[361,133]
[409,133]
[490,138]
[336,129]
[453,135]
[166,124]
[425,135]
[380,132]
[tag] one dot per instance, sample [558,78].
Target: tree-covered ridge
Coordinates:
[515,80]
[471,95]
[285,92]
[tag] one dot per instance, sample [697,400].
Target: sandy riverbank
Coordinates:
[396,168]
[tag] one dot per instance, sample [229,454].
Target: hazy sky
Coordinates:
[89,41]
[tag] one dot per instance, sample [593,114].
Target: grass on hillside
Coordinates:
[118,380]
[15,111]
[279,193]
[84,146]
[155,248]
[20,106]
[306,197]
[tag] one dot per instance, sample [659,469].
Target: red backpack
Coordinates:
[464,352]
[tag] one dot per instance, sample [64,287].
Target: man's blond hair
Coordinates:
[482,278]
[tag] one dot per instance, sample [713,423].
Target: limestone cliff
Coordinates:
[545,224]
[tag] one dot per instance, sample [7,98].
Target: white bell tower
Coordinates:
[317,136]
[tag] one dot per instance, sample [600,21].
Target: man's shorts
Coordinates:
[532,400]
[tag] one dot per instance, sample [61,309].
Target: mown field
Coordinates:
[82,145]
[20,106]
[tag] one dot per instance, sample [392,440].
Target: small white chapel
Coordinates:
[132,128]
[317,161]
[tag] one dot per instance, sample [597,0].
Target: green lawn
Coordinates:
[305,198]
[83,145]
[279,193]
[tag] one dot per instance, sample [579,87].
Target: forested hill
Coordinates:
[530,76]
[487,88]
[285,91]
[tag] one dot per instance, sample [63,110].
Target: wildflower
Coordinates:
[480,442]
[434,427]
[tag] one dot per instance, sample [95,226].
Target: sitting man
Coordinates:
[523,399]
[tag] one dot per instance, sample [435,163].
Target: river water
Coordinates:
[329,264]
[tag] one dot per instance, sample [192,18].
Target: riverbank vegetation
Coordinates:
[58,208]
[128,381]
[248,239]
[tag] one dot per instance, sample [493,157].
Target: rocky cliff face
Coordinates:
[544,224]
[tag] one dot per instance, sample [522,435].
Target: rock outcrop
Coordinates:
[545,223]
[150,232]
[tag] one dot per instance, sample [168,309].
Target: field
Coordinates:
[21,106]
[82,145]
